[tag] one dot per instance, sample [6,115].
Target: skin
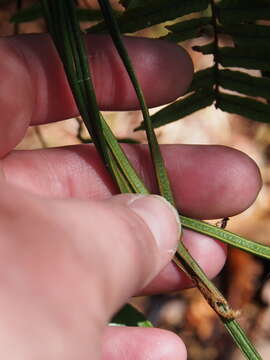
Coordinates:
[59,288]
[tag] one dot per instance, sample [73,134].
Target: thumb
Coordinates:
[70,264]
[132,238]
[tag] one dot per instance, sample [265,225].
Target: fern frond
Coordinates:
[181,108]
[203,79]
[154,12]
[246,35]
[238,11]
[185,30]
[249,108]
[245,83]
[251,50]
[255,57]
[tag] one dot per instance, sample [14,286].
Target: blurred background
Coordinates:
[245,280]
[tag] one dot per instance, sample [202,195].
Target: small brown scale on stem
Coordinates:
[218,303]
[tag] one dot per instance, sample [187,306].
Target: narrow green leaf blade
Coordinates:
[30,13]
[205,49]
[182,108]
[249,108]
[250,58]
[160,170]
[185,30]
[248,34]
[237,11]
[242,340]
[227,237]
[203,79]
[245,83]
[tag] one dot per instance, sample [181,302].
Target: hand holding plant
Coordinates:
[54,246]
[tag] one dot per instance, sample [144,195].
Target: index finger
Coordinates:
[35,89]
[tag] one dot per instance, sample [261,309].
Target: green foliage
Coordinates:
[249,108]
[212,21]
[34,12]
[131,4]
[30,13]
[238,11]
[250,50]
[155,12]
[179,109]
[246,57]
[244,83]
[188,29]
[130,316]
[247,34]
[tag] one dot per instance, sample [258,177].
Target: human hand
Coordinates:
[71,254]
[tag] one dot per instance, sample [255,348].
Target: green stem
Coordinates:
[227,237]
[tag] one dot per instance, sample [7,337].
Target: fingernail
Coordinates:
[161,218]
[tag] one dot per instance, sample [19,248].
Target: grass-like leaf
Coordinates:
[158,163]
[227,237]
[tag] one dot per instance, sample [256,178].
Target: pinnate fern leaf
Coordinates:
[156,12]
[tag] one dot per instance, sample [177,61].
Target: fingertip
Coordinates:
[244,179]
[142,343]
[175,69]
[219,181]
[164,71]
